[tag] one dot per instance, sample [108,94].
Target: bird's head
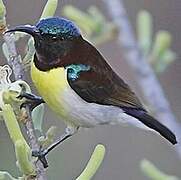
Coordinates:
[52,29]
[54,37]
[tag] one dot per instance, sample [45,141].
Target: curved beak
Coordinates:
[32,30]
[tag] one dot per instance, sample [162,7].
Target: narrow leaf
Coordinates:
[37,116]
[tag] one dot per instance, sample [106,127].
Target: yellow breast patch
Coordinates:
[51,85]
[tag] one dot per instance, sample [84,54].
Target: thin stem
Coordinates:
[14,59]
[153,172]
[15,62]
[93,164]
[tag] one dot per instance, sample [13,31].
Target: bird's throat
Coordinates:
[51,85]
[50,55]
[45,64]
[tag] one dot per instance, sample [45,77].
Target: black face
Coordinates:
[54,38]
[52,47]
[51,30]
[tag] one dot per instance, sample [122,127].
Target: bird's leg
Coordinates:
[43,152]
[31,100]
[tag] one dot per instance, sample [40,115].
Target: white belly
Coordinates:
[88,114]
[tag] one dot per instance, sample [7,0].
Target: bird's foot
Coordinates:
[31,100]
[41,155]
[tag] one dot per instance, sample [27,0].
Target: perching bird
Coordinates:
[78,84]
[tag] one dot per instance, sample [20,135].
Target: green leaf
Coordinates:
[12,124]
[47,140]
[23,157]
[5,51]
[162,43]
[92,23]
[165,60]
[144,31]
[83,20]
[37,116]
[49,9]
[6,176]
[2,9]
[153,173]
[94,163]
[2,15]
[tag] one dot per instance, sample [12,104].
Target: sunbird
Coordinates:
[77,83]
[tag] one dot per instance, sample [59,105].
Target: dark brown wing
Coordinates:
[101,84]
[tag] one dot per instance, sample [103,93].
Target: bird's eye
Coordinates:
[62,38]
[54,38]
[70,70]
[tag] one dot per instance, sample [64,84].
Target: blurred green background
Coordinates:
[126,146]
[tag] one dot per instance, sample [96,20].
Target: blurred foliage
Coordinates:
[6,176]
[144,31]
[2,16]
[93,24]
[153,173]
[156,50]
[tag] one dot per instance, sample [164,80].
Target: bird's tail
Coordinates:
[152,123]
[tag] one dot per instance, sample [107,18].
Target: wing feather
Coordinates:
[101,84]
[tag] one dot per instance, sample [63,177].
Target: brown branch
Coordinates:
[15,63]
[14,59]
[144,74]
